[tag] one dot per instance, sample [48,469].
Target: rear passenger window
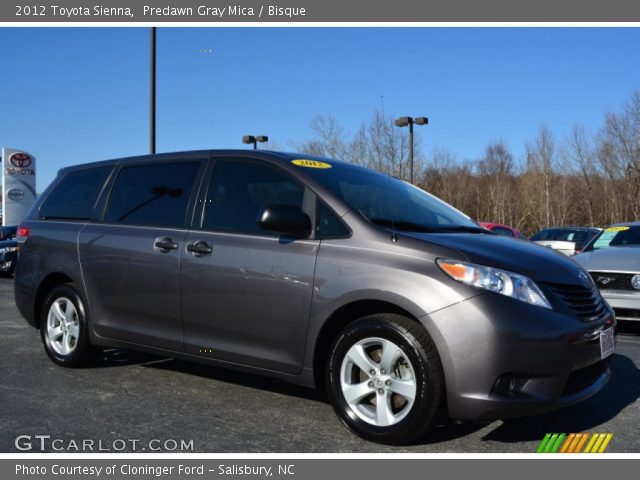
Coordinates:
[152,195]
[75,195]
[239,190]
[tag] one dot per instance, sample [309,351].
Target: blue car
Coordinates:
[8,232]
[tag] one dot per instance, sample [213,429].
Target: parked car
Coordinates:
[568,240]
[504,230]
[316,272]
[7,232]
[613,260]
[8,256]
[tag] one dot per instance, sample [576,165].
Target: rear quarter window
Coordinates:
[74,197]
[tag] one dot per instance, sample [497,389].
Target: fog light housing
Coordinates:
[509,385]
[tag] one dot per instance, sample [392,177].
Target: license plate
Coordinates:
[606,343]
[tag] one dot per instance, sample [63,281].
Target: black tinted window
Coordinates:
[505,232]
[386,201]
[76,194]
[152,194]
[328,225]
[239,190]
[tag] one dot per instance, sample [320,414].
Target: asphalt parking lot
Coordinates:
[129,395]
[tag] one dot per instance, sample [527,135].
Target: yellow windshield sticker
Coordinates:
[616,229]
[310,163]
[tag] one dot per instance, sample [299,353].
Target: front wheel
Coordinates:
[385,380]
[63,328]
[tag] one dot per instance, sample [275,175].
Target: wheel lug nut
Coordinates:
[380,391]
[370,384]
[372,372]
[383,371]
[388,382]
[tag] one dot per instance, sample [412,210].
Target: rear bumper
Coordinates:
[503,358]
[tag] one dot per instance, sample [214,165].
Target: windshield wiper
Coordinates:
[406,226]
[402,225]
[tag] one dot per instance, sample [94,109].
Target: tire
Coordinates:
[411,359]
[64,328]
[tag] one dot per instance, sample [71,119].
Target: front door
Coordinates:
[246,292]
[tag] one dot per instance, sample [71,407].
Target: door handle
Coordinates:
[199,248]
[165,244]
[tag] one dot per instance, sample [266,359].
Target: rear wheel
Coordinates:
[385,379]
[63,328]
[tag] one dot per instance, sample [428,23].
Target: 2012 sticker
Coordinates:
[310,163]
[616,229]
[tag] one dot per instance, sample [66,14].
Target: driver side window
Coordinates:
[239,190]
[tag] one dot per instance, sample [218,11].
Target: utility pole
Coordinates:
[152,89]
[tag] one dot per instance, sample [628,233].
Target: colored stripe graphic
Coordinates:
[591,442]
[568,442]
[581,443]
[574,442]
[605,442]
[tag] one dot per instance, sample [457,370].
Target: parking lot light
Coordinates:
[408,122]
[250,139]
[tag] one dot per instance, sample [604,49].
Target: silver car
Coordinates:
[613,260]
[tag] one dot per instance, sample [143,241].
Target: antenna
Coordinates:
[394,235]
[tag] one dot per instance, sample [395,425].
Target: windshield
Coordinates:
[390,202]
[623,236]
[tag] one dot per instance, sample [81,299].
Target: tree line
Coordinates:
[588,179]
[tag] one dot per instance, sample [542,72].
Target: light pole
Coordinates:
[250,139]
[409,121]
[152,90]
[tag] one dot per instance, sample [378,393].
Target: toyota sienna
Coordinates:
[316,272]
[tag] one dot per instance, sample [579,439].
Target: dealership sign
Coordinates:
[18,185]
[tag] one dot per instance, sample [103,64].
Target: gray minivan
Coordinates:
[316,272]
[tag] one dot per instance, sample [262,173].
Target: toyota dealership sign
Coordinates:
[18,185]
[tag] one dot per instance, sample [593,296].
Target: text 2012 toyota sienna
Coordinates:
[316,272]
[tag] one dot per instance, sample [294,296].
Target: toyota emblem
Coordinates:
[20,160]
[582,275]
[15,194]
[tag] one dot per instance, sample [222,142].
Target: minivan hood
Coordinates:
[624,259]
[520,256]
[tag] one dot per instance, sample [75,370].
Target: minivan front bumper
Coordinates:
[503,358]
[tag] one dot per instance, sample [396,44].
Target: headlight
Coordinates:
[8,249]
[506,283]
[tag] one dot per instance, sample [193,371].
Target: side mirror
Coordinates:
[287,219]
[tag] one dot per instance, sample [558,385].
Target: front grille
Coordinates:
[613,281]
[627,314]
[586,303]
[584,377]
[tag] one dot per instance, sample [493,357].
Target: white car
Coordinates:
[567,240]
